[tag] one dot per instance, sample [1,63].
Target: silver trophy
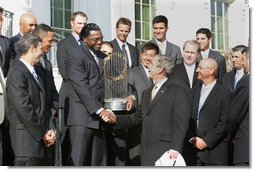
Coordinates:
[116,84]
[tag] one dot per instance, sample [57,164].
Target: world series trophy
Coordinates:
[115,80]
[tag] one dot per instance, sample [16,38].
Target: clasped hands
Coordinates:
[50,137]
[108,116]
[198,142]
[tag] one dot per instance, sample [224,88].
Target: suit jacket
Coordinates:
[228,80]
[238,124]
[5,57]
[172,51]
[221,64]
[26,112]
[64,48]
[180,77]
[164,121]
[87,91]
[138,82]
[134,53]
[213,118]
[45,72]
[13,49]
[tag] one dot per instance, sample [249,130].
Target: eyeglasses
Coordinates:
[201,68]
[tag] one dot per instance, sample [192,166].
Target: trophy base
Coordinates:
[115,105]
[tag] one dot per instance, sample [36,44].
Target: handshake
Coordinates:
[108,116]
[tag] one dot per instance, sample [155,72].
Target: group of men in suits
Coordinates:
[176,102]
[29,111]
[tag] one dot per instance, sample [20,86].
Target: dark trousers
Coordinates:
[87,146]
[116,145]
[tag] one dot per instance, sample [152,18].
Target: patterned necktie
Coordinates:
[125,54]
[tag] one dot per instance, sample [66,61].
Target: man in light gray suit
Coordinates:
[160,28]
[138,81]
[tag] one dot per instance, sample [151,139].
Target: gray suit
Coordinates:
[137,83]
[172,51]
[87,93]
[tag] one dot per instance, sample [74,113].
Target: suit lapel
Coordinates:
[169,49]
[210,96]
[183,72]
[195,76]
[143,75]
[162,91]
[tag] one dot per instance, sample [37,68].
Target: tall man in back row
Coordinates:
[160,28]
[204,37]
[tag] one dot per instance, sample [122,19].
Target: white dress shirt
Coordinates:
[190,72]
[162,46]
[127,49]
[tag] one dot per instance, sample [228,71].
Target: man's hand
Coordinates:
[173,154]
[200,143]
[130,102]
[108,116]
[50,137]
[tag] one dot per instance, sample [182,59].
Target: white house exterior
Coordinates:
[184,17]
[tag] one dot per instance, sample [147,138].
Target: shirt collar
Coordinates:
[29,67]
[209,86]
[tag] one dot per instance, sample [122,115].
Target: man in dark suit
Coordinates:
[27,23]
[120,44]
[64,47]
[138,81]
[231,79]
[6,152]
[29,123]
[117,138]
[185,74]
[164,114]
[238,124]
[85,73]
[204,37]
[44,70]
[209,117]
[160,28]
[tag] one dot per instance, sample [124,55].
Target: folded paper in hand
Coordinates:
[164,160]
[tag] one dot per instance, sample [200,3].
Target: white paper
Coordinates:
[164,160]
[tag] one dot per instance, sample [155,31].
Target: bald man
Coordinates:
[210,107]
[27,24]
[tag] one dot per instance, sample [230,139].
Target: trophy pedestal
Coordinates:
[116,105]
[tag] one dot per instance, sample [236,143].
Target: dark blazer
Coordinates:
[180,77]
[26,112]
[87,91]
[172,51]
[134,53]
[221,64]
[64,47]
[13,47]
[213,119]
[238,124]
[164,121]
[5,57]
[228,80]
[46,74]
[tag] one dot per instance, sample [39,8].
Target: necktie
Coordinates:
[237,78]
[96,59]
[154,91]
[201,102]
[35,75]
[125,54]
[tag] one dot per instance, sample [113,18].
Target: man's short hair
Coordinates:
[166,63]
[150,46]
[205,31]
[75,14]
[242,48]
[124,21]
[26,42]
[192,42]
[160,19]
[86,30]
